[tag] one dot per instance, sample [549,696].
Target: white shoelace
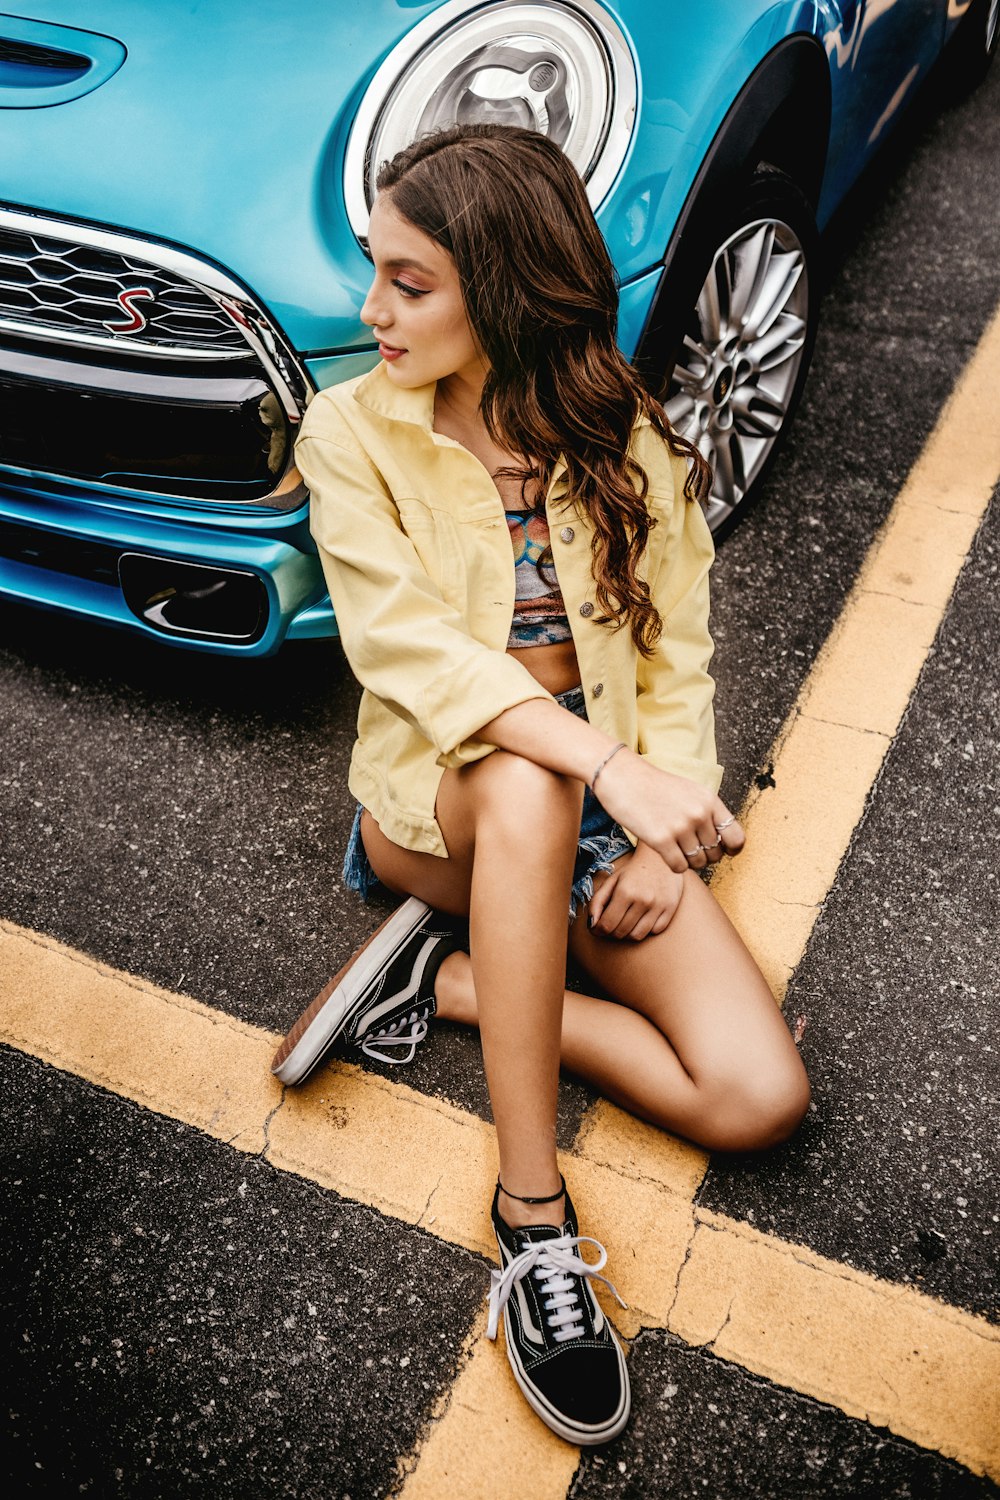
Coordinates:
[556,1266]
[409,1031]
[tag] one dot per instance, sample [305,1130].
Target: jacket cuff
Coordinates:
[457,703]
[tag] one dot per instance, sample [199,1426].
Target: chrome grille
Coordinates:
[60,285]
[201,403]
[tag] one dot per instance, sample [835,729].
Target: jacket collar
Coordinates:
[376,392]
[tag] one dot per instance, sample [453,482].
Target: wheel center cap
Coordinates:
[723,385]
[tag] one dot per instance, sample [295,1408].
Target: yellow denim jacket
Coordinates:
[419,564]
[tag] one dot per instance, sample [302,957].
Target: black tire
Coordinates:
[727,389]
[974,45]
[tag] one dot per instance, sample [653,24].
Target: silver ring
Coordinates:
[716,845]
[690,853]
[720,826]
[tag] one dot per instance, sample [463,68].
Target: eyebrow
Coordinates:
[402,263]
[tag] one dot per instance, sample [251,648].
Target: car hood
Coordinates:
[222,132]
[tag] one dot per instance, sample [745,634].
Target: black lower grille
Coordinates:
[171,596]
[59,553]
[201,436]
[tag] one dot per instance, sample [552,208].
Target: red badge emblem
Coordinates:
[135,320]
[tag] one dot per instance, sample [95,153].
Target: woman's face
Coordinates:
[414,305]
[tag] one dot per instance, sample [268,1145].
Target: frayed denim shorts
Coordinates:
[601,840]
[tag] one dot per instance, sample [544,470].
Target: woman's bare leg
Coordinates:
[741,1084]
[696,1044]
[516,902]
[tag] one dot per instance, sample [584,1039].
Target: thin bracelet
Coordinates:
[621,745]
[550,1199]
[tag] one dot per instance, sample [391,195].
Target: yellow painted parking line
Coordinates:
[757,1301]
[920,1368]
[881,1352]
[823,775]
[607,1134]
[480,1445]
[342,1129]
[833,742]
[164,1051]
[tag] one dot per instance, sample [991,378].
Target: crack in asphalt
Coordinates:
[711,1343]
[262,1153]
[877,734]
[430,1197]
[688,1249]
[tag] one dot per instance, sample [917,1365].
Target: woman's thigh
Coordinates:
[443,883]
[701,988]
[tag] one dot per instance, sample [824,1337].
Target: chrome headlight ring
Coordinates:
[563,67]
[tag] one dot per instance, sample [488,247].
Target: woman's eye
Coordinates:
[408,290]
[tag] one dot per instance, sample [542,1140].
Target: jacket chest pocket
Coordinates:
[435,539]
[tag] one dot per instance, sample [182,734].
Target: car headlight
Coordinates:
[562,67]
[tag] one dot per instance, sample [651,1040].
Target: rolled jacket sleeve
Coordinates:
[676,723]
[405,643]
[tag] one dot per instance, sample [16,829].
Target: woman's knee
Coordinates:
[508,783]
[754,1111]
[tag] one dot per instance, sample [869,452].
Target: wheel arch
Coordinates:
[781,117]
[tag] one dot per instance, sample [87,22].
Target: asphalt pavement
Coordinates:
[182,1317]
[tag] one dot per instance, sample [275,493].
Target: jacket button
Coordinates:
[567,534]
[597,689]
[586,609]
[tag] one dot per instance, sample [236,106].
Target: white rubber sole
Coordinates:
[581,1436]
[320,1024]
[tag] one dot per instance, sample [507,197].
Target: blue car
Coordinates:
[185,193]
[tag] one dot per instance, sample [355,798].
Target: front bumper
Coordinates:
[64,552]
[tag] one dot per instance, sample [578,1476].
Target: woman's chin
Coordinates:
[400,376]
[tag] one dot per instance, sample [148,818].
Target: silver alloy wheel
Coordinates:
[734,381]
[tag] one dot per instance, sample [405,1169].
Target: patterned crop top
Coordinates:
[539,612]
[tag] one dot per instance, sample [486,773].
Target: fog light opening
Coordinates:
[192,600]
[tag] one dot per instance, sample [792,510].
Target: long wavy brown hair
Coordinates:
[542,303]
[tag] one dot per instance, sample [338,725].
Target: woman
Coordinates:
[522,711]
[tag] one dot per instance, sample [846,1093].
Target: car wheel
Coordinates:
[975,44]
[743,358]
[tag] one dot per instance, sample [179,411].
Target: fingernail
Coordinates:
[591,921]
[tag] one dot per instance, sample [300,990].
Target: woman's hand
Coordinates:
[688,826]
[638,897]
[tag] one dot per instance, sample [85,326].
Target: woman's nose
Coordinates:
[372,312]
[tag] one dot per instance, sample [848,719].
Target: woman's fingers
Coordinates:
[730,830]
[616,917]
[713,837]
[625,919]
[711,843]
[708,829]
[625,926]
[604,889]
[646,924]
[695,853]
[688,826]
[674,855]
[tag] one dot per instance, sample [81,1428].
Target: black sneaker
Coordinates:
[384,995]
[562,1349]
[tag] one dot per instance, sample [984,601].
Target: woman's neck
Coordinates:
[457,416]
[457,406]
